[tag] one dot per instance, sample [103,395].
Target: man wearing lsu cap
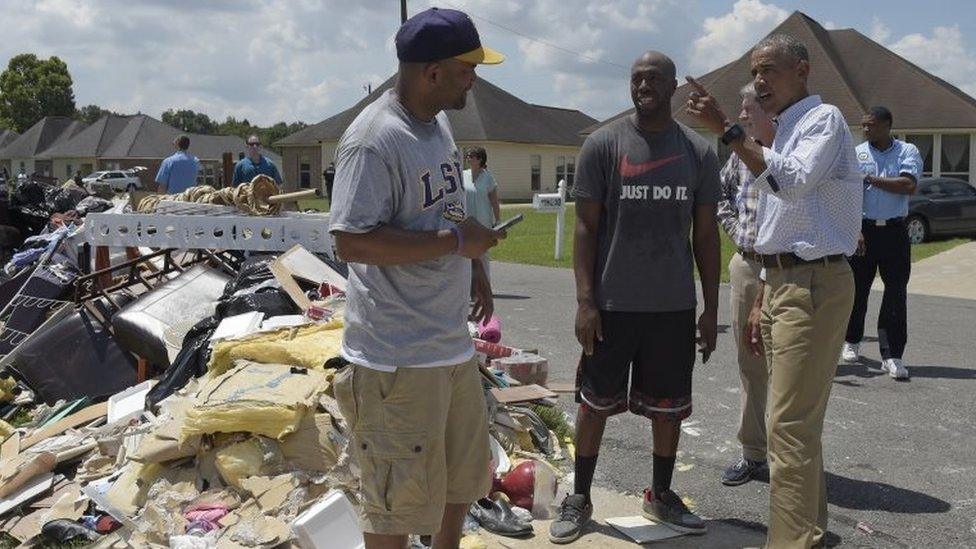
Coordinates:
[412,394]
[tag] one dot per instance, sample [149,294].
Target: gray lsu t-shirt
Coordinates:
[649,184]
[395,170]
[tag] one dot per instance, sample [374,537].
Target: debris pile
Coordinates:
[198,411]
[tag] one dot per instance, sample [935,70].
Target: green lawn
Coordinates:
[532,241]
[320,204]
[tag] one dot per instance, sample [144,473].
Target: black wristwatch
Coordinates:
[734,133]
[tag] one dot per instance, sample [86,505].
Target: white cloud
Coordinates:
[271,60]
[263,60]
[943,53]
[879,31]
[727,37]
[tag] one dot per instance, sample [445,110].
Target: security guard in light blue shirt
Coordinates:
[891,170]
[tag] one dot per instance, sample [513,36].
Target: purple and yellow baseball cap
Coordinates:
[437,34]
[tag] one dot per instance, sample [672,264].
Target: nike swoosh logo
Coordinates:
[633,170]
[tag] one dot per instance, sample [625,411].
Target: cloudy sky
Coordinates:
[271,60]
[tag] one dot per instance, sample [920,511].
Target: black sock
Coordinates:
[663,469]
[585,466]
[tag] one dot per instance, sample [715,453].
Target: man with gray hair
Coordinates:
[737,216]
[809,215]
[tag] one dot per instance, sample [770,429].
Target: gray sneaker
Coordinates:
[669,510]
[574,513]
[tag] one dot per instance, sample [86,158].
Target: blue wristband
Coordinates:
[457,232]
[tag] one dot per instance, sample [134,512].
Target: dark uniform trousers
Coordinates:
[888,251]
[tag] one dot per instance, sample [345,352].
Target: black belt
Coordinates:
[783,261]
[752,256]
[896,221]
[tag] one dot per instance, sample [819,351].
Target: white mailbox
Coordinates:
[552,202]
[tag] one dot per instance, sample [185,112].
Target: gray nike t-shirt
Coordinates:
[649,184]
[394,170]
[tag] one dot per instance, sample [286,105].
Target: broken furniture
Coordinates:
[152,327]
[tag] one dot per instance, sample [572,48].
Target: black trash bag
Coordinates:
[92,204]
[256,290]
[254,272]
[189,363]
[64,530]
[270,301]
[60,200]
[30,194]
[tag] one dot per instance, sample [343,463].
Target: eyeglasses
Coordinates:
[253,144]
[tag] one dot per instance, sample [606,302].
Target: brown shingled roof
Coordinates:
[491,114]
[848,70]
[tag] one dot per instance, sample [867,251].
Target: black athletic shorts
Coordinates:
[654,351]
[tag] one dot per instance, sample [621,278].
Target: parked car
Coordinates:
[116,180]
[941,206]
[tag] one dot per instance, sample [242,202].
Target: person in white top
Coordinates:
[809,220]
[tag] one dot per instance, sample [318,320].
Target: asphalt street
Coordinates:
[900,456]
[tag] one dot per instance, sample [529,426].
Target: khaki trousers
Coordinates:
[805,312]
[744,278]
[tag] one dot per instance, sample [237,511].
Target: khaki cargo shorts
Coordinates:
[420,439]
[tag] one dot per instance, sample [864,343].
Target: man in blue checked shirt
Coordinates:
[891,169]
[809,213]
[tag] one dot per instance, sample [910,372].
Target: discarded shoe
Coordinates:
[497,517]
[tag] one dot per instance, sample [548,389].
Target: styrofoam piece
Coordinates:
[283,321]
[331,523]
[499,458]
[225,231]
[130,403]
[238,325]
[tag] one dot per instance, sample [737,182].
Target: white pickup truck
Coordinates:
[116,180]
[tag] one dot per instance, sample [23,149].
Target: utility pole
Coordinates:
[403,11]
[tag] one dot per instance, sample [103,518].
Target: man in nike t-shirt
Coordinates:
[644,183]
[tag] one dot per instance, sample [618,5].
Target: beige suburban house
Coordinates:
[530,147]
[118,142]
[20,154]
[855,73]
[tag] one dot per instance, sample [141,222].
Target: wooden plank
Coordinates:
[562,386]
[89,414]
[521,394]
[289,285]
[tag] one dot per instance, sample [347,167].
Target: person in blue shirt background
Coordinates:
[891,169]
[178,172]
[481,193]
[254,164]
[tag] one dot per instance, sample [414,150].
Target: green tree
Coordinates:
[189,121]
[91,113]
[32,88]
[281,130]
[232,126]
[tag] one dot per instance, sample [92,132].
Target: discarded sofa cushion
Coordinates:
[74,358]
[264,399]
[159,319]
